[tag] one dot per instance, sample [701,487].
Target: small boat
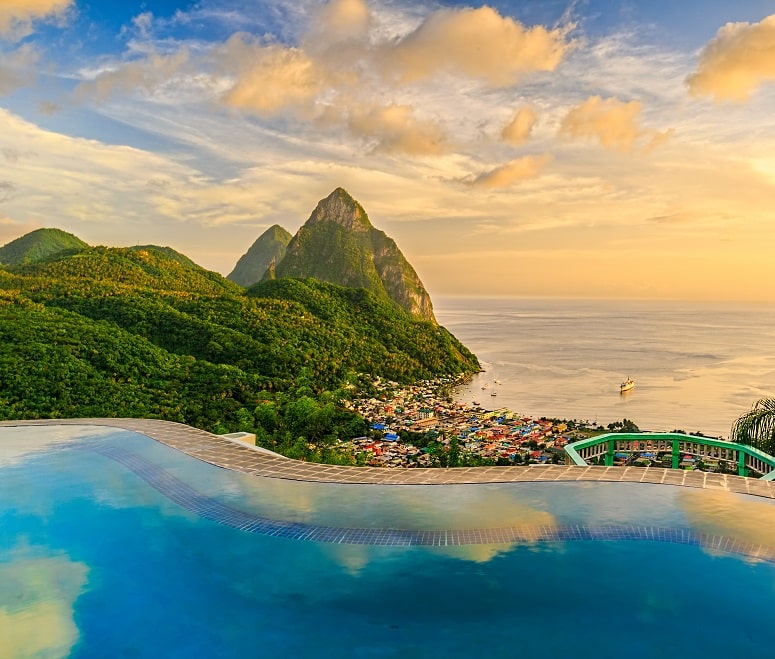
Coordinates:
[626,385]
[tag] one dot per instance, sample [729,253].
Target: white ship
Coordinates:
[626,385]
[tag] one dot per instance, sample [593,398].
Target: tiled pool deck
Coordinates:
[229,454]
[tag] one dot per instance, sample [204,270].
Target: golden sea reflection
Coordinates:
[738,516]
[396,507]
[474,553]
[19,442]
[407,510]
[37,599]
[354,558]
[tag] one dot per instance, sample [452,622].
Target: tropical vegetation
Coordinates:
[39,244]
[757,426]
[144,332]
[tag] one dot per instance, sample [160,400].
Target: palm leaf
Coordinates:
[757,427]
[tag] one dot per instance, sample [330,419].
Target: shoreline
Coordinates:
[421,425]
[566,358]
[424,426]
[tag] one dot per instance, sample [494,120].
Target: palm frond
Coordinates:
[757,427]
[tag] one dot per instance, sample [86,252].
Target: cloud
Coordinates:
[85,181]
[148,74]
[395,129]
[337,22]
[143,23]
[344,73]
[48,108]
[746,519]
[611,121]
[10,155]
[519,128]
[512,172]
[478,43]
[6,190]
[270,78]
[17,15]
[17,68]
[37,605]
[658,139]
[739,59]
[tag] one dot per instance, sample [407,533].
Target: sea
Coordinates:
[696,366]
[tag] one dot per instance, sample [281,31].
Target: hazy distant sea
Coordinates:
[696,366]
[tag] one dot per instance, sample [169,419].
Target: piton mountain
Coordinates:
[338,244]
[270,247]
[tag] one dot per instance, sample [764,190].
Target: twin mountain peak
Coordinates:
[339,245]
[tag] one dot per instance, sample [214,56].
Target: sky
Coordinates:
[559,148]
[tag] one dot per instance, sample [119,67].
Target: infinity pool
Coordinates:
[112,544]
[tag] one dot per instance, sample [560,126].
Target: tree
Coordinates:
[454,452]
[757,427]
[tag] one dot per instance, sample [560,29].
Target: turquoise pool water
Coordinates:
[114,545]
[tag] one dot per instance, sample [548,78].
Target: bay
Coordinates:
[696,366]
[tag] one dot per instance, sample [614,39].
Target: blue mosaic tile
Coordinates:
[212,509]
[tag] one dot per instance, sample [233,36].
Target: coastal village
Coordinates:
[421,426]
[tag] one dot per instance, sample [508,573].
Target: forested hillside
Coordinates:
[39,244]
[143,332]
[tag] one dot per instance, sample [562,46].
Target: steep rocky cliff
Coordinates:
[338,244]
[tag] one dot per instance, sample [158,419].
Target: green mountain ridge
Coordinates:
[145,332]
[269,247]
[147,266]
[339,245]
[39,244]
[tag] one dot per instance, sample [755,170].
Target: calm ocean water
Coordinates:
[697,367]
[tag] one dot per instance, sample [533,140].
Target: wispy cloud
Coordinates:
[146,74]
[512,172]
[17,16]
[346,74]
[18,68]
[519,128]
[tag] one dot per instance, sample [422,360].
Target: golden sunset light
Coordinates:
[510,150]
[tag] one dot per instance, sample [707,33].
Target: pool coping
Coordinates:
[226,453]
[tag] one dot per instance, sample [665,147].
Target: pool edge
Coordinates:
[222,452]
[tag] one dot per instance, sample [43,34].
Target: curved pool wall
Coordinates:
[219,451]
[211,509]
[231,454]
[116,544]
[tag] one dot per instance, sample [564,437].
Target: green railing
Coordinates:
[746,458]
